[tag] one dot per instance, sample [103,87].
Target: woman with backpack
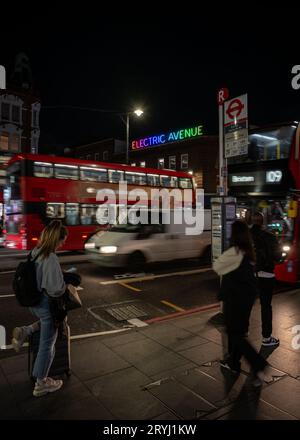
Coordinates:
[50,282]
[238,292]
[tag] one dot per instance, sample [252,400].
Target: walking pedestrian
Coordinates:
[268,253]
[51,283]
[238,292]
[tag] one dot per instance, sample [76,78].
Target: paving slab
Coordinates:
[92,359]
[123,393]
[285,395]
[149,357]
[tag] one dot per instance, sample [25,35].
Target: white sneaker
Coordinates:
[18,338]
[270,342]
[46,386]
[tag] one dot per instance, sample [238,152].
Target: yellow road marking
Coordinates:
[167,303]
[129,287]
[153,277]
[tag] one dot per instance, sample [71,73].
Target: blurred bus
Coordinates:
[41,188]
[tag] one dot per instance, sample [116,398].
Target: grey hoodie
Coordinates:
[49,274]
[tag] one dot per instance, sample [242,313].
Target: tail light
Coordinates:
[34,239]
[84,236]
[22,231]
[4,231]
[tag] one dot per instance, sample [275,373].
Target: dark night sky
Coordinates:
[169,64]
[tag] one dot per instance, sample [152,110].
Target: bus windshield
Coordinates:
[272,144]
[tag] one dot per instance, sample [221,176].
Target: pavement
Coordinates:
[166,370]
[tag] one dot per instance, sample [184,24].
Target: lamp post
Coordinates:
[138,113]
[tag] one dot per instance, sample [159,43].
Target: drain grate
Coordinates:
[123,313]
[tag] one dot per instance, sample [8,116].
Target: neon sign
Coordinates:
[165,138]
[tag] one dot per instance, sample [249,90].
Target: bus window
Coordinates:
[93,174]
[72,214]
[66,171]
[153,179]
[185,183]
[135,178]
[88,214]
[55,210]
[169,181]
[115,176]
[42,169]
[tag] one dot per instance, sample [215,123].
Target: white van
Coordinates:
[134,245]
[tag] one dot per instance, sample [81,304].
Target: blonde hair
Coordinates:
[50,238]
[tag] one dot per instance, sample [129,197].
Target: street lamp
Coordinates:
[138,112]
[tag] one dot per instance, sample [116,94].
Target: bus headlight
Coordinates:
[286,248]
[108,249]
[89,246]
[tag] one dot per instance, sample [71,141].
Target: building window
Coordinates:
[14,143]
[133,164]
[172,162]
[16,113]
[89,157]
[161,163]
[96,156]
[184,161]
[105,155]
[5,111]
[4,141]
[142,164]
[35,122]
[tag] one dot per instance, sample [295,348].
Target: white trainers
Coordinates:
[270,342]
[18,338]
[46,386]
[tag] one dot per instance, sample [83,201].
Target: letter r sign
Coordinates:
[223,94]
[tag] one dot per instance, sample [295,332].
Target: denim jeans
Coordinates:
[48,335]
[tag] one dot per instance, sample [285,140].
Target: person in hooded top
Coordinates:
[238,291]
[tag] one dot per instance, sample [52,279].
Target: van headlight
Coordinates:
[89,246]
[286,248]
[108,249]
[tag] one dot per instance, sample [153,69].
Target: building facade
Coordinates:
[19,113]
[107,150]
[186,150]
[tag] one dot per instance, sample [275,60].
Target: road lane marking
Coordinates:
[129,287]
[173,306]
[7,271]
[152,277]
[6,296]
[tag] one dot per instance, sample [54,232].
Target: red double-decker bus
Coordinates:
[41,188]
[267,179]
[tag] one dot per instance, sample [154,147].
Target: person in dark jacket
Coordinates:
[238,292]
[267,254]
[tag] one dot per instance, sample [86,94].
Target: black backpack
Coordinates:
[25,283]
